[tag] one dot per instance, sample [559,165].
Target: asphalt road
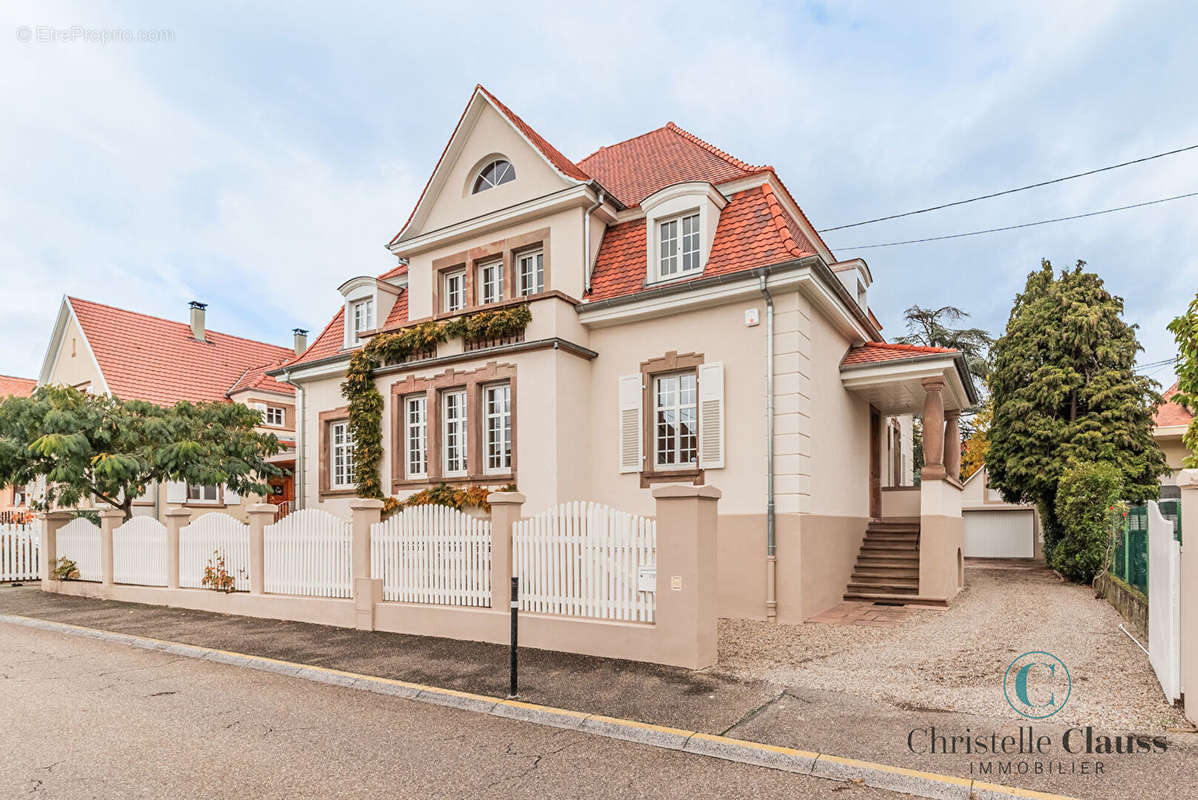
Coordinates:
[90,719]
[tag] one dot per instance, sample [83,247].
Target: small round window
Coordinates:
[495,173]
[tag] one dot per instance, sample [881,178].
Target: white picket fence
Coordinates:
[584,560]
[1164,603]
[212,533]
[433,554]
[309,552]
[139,552]
[79,541]
[20,552]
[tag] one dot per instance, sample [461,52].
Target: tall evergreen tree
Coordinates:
[1065,391]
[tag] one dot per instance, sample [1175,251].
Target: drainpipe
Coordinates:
[586,244]
[771,540]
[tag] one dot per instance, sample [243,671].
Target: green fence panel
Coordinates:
[1130,563]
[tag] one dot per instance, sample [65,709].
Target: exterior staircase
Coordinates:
[887,569]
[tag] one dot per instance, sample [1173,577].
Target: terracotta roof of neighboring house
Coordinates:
[754,231]
[886,351]
[16,387]
[392,273]
[638,167]
[1169,413]
[256,378]
[154,359]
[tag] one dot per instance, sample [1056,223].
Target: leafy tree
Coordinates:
[94,446]
[977,444]
[1064,390]
[930,327]
[1185,330]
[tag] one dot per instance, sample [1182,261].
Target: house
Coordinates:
[688,325]
[102,349]
[1170,422]
[14,500]
[995,528]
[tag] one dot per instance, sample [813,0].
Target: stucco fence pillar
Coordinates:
[52,521]
[686,616]
[368,591]
[176,518]
[941,539]
[505,512]
[260,515]
[1188,481]
[110,520]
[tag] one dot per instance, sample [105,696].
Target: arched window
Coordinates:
[495,173]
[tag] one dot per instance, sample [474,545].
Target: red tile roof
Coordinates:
[392,273]
[154,359]
[16,387]
[563,164]
[399,313]
[256,378]
[1169,413]
[754,231]
[634,169]
[328,343]
[872,352]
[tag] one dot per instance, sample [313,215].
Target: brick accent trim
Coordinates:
[472,259]
[324,420]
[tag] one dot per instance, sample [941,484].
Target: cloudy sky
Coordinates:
[255,156]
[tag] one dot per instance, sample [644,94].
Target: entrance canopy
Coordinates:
[895,377]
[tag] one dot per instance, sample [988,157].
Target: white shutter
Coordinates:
[711,416]
[176,492]
[231,497]
[630,423]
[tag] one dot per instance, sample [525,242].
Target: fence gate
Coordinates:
[308,552]
[433,554]
[139,552]
[1164,602]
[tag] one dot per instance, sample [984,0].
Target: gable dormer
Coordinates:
[855,276]
[368,302]
[680,225]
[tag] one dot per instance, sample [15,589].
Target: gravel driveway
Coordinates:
[954,660]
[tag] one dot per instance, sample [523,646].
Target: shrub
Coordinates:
[217,576]
[1085,496]
[65,570]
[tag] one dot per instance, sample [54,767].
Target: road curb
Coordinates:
[819,765]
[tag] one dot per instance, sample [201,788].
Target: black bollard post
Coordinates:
[513,685]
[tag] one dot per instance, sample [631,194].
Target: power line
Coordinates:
[1023,225]
[1010,191]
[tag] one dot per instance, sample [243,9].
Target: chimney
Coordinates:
[197,320]
[301,340]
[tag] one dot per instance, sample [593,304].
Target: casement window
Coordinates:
[675,428]
[416,435]
[275,416]
[203,494]
[454,290]
[678,246]
[497,427]
[453,434]
[361,317]
[490,282]
[672,419]
[495,173]
[341,456]
[530,269]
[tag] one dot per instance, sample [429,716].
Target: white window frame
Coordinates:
[489,183]
[343,449]
[497,421]
[447,295]
[454,429]
[361,318]
[684,244]
[535,258]
[678,407]
[415,428]
[274,416]
[490,282]
[203,490]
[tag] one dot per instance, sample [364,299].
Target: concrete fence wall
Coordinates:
[683,633]
[1188,616]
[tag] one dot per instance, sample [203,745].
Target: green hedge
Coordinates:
[1087,503]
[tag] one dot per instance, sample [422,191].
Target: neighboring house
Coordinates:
[14,500]
[995,528]
[1171,421]
[101,349]
[662,274]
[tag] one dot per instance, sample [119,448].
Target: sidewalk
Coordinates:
[825,721]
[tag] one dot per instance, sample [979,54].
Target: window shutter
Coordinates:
[711,416]
[630,423]
[176,492]
[231,497]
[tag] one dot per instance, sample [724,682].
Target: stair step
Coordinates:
[882,588]
[889,546]
[887,559]
[892,582]
[890,597]
[892,526]
[901,573]
[907,538]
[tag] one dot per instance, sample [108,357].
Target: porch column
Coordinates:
[933,429]
[952,444]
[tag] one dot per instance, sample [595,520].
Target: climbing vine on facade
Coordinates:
[365,401]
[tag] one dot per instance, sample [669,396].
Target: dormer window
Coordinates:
[455,290]
[362,317]
[678,250]
[490,282]
[497,172]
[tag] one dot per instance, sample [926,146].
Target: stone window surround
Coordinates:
[473,381]
[672,361]
[505,250]
[326,419]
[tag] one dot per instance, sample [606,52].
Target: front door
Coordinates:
[282,487]
[875,464]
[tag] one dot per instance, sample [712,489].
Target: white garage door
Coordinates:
[999,534]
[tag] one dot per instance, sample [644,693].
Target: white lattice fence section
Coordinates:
[139,552]
[309,552]
[584,560]
[20,557]
[200,543]
[79,541]
[433,554]
[1164,603]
